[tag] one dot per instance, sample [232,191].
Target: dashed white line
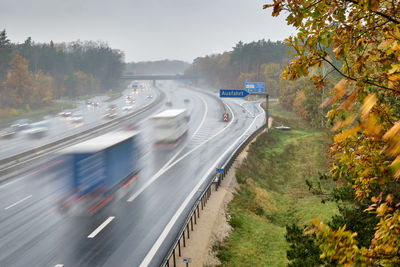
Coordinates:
[59,265]
[18,202]
[101,227]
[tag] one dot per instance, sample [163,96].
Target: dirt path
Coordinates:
[212,227]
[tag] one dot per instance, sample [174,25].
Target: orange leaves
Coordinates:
[368,104]
[340,91]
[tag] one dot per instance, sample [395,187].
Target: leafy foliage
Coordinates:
[363,36]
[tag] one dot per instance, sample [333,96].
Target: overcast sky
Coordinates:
[144,29]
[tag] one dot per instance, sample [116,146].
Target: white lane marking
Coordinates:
[195,132]
[149,256]
[101,227]
[59,265]
[11,182]
[163,170]
[18,202]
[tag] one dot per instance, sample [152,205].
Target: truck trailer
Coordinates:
[99,168]
[169,126]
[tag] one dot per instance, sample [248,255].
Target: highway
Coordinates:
[138,227]
[60,127]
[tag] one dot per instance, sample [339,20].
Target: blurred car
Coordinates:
[149,96]
[110,115]
[65,113]
[37,129]
[168,104]
[89,103]
[8,132]
[127,108]
[76,118]
[20,125]
[112,107]
[95,104]
[186,100]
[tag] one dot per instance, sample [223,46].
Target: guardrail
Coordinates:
[194,213]
[8,163]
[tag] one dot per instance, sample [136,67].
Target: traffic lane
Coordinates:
[18,230]
[62,127]
[170,190]
[90,252]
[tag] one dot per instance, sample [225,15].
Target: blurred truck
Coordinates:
[169,126]
[97,170]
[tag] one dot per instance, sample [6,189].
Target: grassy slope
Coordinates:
[273,193]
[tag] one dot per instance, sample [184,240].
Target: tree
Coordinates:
[363,36]
[18,86]
[42,91]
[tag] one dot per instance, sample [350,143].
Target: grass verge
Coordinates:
[273,192]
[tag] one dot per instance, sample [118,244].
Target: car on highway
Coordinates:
[65,113]
[186,100]
[8,132]
[76,118]
[37,129]
[168,103]
[110,115]
[149,96]
[20,125]
[127,108]
[111,107]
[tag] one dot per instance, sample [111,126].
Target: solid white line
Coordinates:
[146,261]
[18,202]
[164,169]
[59,265]
[101,227]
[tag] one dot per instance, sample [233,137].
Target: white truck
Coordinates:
[169,126]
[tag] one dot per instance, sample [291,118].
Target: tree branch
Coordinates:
[377,12]
[354,79]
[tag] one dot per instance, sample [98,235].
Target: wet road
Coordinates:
[60,127]
[138,227]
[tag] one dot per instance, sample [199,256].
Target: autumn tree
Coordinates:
[42,89]
[363,36]
[18,86]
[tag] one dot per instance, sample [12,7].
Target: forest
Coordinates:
[33,74]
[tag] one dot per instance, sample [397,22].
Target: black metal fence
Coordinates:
[199,204]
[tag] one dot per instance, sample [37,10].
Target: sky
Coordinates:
[145,30]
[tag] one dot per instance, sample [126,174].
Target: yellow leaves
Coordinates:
[345,134]
[369,103]
[340,91]
[396,167]
[393,131]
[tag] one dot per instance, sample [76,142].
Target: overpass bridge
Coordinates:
[158,77]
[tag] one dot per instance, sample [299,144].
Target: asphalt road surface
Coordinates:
[138,227]
[60,127]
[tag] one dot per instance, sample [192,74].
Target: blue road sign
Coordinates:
[220,170]
[254,87]
[232,93]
